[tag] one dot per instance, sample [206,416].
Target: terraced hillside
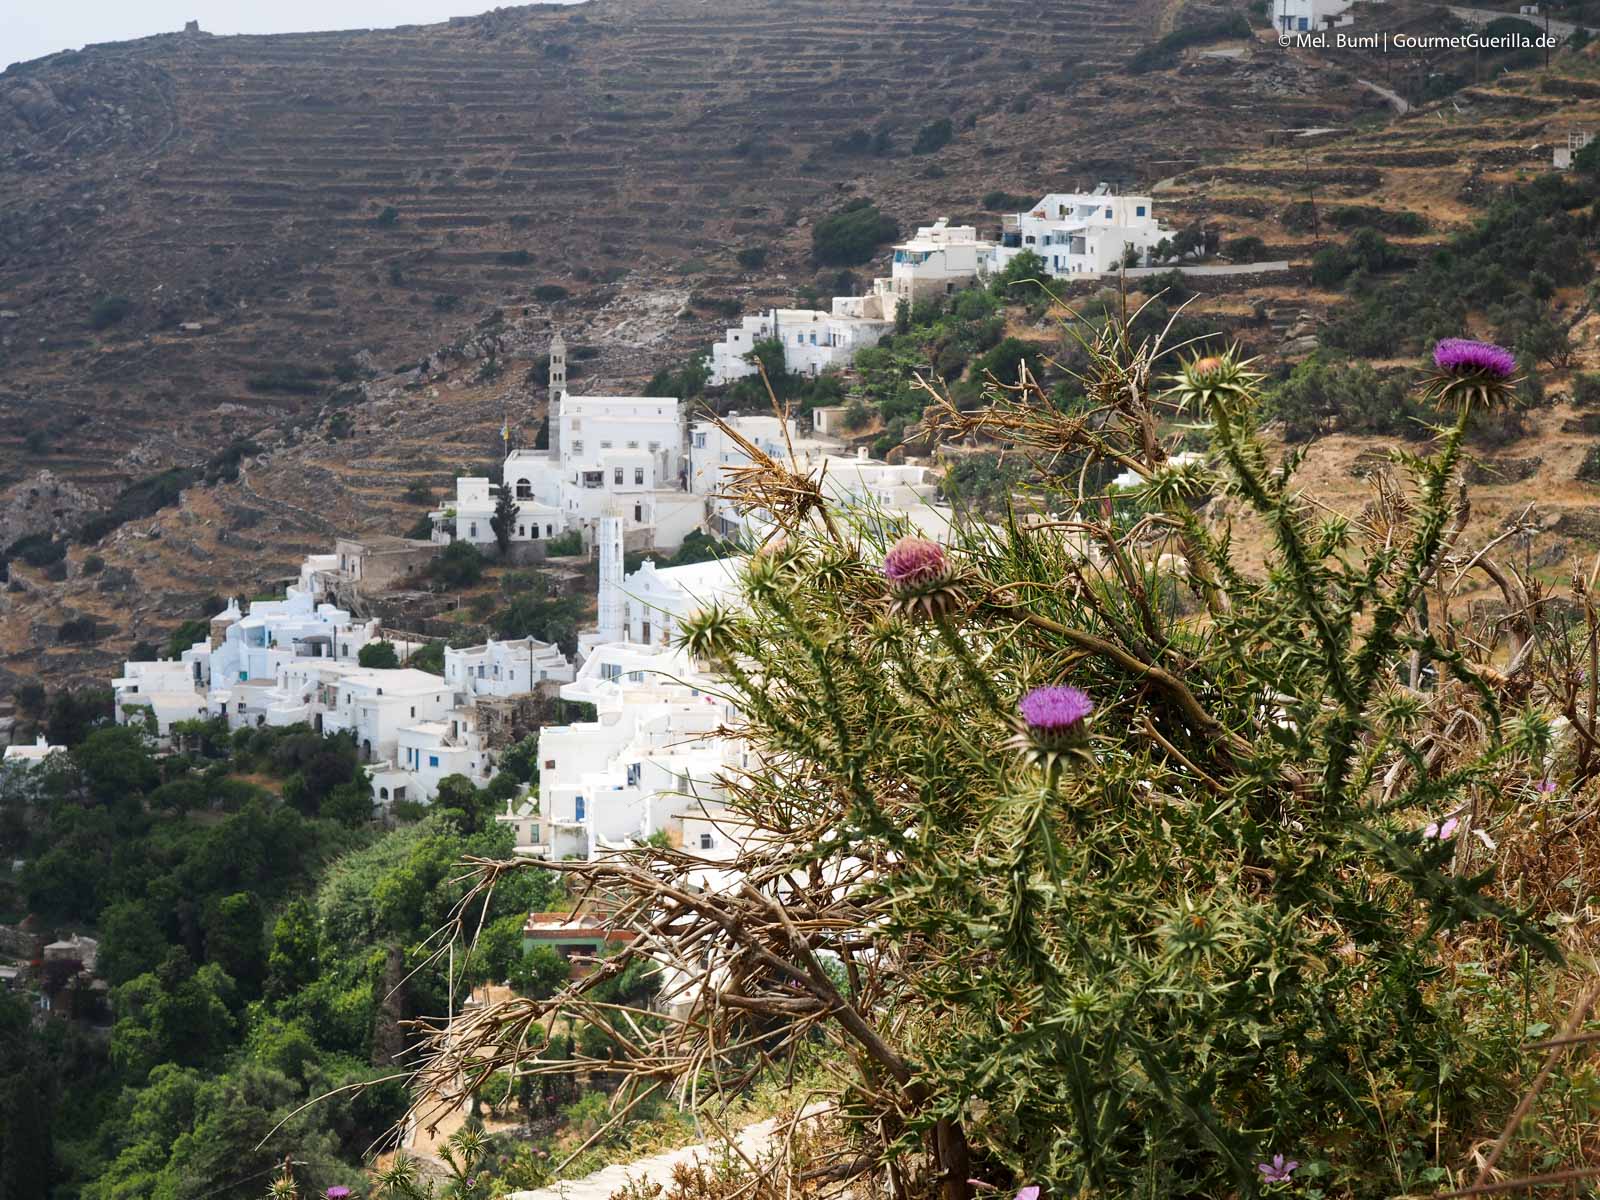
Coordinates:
[370,228]
[307,198]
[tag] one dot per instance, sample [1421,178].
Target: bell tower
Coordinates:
[558,389]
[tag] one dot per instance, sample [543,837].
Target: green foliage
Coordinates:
[139,500]
[1539,229]
[852,235]
[540,973]
[752,258]
[109,311]
[459,566]
[539,611]
[1367,251]
[565,545]
[418,492]
[933,137]
[1320,396]
[389,217]
[1162,54]
[1247,249]
[550,293]
[429,658]
[379,655]
[1005,202]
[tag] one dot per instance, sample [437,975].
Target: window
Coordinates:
[1138,210]
[638,512]
[1304,23]
[522,531]
[638,476]
[577,447]
[549,764]
[707,841]
[433,760]
[654,446]
[605,445]
[699,442]
[634,770]
[577,808]
[610,671]
[616,477]
[472,530]
[413,711]
[633,445]
[549,531]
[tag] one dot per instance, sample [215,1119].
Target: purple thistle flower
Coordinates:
[1440,832]
[1277,1171]
[1055,709]
[1462,356]
[337,1192]
[1031,1192]
[1547,785]
[914,560]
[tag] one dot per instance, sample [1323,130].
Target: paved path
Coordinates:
[1482,16]
[1400,103]
[753,1140]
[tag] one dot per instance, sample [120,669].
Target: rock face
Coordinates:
[42,504]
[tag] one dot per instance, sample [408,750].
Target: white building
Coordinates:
[621,454]
[813,341]
[652,754]
[165,692]
[655,600]
[938,260]
[1080,233]
[1306,16]
[1576,140]
[505,668]
[30,756]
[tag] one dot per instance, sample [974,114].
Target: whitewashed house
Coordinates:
[652,753]
[1080,233]
[31,756]
[813,341]
[162,692]
[510,668]
[655,600]
[1308,16]
[938,260]
[621,454]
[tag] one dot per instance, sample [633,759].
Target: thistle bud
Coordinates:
[921,578]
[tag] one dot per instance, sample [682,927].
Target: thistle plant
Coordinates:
[1087,890]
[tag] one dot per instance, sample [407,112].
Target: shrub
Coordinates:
[852,235]
[550,293]
[37,550]
[513,258]
[752,257]
[933,136]
[1246,249]
[1005,202]
[93,564]
[565,545]
[418,492]
[388,217]
[108,311]
[1586,389]
[460,566]
[77,630]
[379,656]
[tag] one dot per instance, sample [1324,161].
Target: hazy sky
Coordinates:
[30,28]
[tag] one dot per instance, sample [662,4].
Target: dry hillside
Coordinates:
[619,150]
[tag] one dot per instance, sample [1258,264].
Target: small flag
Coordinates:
[505,430]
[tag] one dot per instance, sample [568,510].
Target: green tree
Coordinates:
[379,655]
[850,236]
[459,566]
[504,520]
[293,963]
[234,934]
[174,1014]
[540,973]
